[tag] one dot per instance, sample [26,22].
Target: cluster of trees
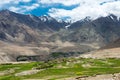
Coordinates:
[64,54]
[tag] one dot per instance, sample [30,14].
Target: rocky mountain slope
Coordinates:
[114,44]
[53,23]
[23,35]
[100,31]
[42,35]
[28,28]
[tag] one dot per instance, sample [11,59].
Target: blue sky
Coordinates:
[38,10]
[63,9]
[45,10]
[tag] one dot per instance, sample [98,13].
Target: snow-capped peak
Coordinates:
[43,19]
[59,20]
[66,27]
[112,17]
[88,18]
[118,18]
[46,18]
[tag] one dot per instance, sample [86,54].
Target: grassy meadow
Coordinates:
[60,68]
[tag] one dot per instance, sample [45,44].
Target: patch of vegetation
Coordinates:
[28,58]
[23,58]
[64,54]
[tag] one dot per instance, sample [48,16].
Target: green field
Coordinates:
[61,68]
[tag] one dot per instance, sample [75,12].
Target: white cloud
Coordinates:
[23,9]
[113,8]
[4,2]
[92,8]
[25,0]
[72,2]
[64,2]
[33,6]
[14,9]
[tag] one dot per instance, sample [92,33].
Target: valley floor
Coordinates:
[63,69]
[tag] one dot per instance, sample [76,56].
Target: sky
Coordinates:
[64,9]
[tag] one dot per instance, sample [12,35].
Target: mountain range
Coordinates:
[32,35]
